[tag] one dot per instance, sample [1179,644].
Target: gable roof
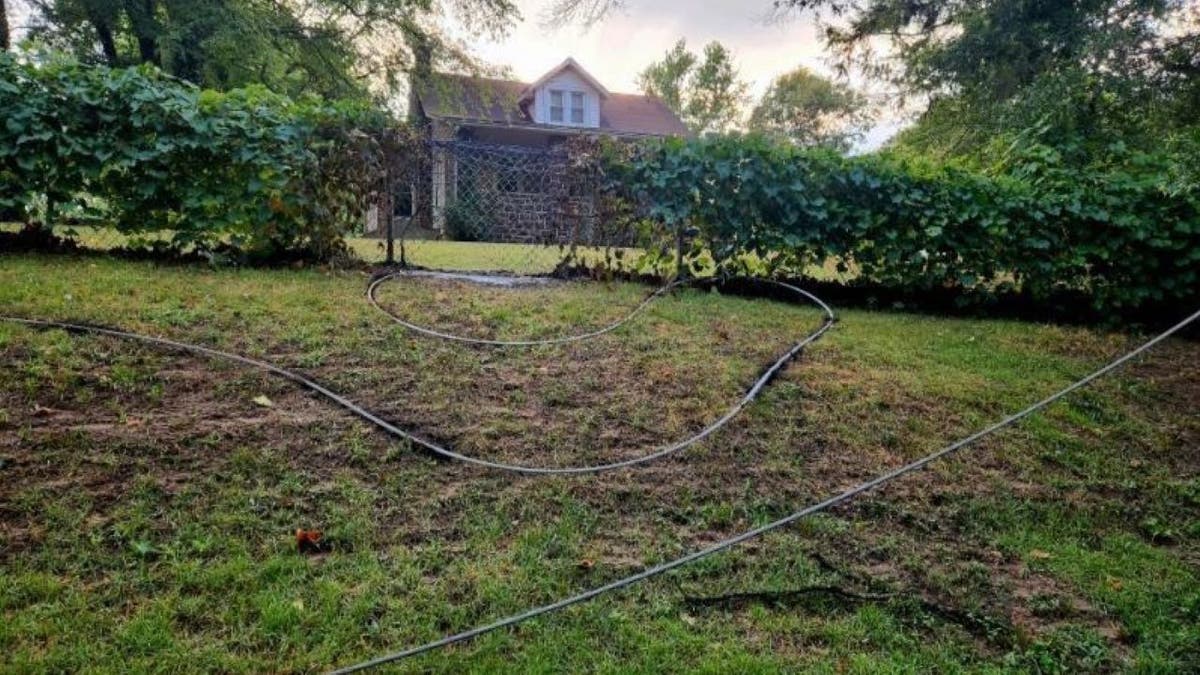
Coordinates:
[505,102]
[568,64]
[463,97]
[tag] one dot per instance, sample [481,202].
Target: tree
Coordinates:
[5,35]
[707,94]
[333,48]
[666,79]
[808,109]
[1083,73]
[584,12]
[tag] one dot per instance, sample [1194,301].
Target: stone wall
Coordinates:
[539,218]
[489,192]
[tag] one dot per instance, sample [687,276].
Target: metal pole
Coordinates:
[391,217]
[679,271]
[391,250]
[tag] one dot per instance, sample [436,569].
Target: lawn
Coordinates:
[435,254]
[527,258]
[148,501]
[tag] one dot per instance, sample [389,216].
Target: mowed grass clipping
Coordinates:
[149,503]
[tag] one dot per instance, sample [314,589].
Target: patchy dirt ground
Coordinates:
[149,500]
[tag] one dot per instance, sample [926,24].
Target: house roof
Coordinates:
[569,64]
[504,102]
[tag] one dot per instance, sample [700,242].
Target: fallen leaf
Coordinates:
[264,401]
[309,541]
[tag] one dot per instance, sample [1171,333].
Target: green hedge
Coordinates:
[246,170]
[1124,234]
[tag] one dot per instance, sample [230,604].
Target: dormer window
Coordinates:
[556,105]
[567,107]
[577,107]
[567,96]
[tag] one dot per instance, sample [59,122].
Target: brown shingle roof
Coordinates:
[634,113]
[499,102]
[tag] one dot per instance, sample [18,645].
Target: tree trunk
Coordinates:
[104,34]
[141,17]
[107,43]
[147,47]
[100,14]
[5,35]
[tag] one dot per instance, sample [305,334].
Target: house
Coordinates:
[495,173]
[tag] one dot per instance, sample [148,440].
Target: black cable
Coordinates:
[579,337]
[758,531]
[752,393]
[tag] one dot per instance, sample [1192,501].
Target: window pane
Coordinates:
[556,105]
[577,107]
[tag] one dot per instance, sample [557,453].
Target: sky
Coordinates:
[617,49]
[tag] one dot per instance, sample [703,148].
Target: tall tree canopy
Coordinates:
[808,109]
[1088,70]
[334,48]
[706,92]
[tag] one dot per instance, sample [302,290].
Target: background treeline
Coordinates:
[335,49]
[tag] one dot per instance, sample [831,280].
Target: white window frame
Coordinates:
[582,109]
[567,107]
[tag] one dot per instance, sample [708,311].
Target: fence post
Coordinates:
[390,212]
[679,252]
[412,213]
[391,252]
[684,236]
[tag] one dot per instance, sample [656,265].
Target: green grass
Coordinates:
[148,502]
[530,258]
[441,255]
[472,256]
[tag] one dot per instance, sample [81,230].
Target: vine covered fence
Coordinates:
[130,158]
[500,207]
